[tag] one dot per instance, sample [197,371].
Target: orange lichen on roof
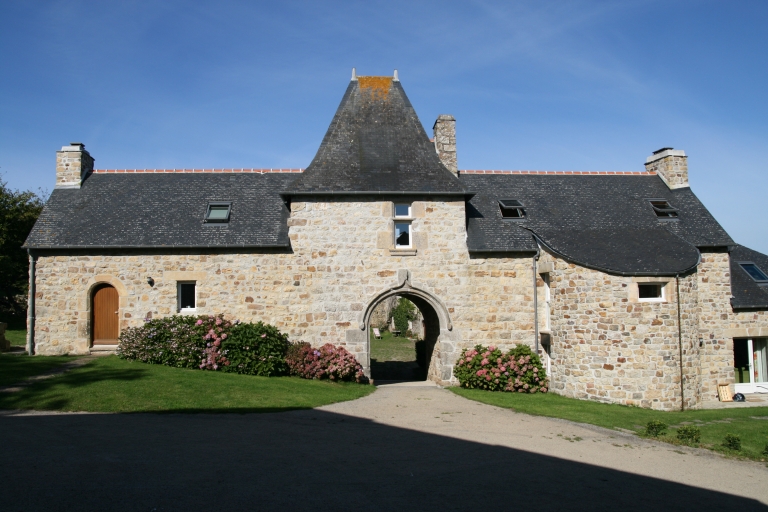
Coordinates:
[377,85]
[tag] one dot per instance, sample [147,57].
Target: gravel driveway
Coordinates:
[413,447]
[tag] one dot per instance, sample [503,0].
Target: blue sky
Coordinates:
[562,85]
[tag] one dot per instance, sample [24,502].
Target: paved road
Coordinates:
[401,448]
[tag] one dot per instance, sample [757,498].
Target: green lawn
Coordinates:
[109,384]
[16,332]
[14,368]
[750,424]
[392,348]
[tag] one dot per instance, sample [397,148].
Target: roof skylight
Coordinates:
[754,272]
[511,209]
[218,212]
[663,209]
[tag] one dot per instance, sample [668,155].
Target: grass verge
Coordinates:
[750,424]
[109,384]
[392,348]
[15,368]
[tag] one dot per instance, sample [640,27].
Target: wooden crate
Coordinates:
[724,393]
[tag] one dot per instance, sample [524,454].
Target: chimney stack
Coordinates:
[671,165]
[73,164]
[445,141]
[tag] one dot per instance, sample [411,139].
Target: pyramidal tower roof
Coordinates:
[376,145]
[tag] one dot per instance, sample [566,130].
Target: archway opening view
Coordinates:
[403,333]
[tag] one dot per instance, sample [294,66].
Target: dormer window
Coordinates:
[511,209]
[754,272]
[663,209]
[218,212]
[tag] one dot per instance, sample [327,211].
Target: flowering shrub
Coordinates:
[488,368]
[172,341]
[256,349]
[214,330]
[211,342]
[326,362]
[182,341]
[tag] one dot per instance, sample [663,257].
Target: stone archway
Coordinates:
[438,328]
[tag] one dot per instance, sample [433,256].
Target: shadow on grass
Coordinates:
[47,389]
[113,385]
[304,460]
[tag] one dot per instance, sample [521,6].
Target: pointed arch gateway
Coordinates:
[438,328]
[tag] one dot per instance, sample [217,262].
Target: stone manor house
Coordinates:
[623,281]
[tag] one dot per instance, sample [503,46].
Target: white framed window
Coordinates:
[651,292]
[750,364]
[186,293]
[403,235]
[402,211]
[403,226]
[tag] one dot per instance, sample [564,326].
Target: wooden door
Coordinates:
[105,315]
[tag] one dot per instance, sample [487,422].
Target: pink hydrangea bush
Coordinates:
[214,330]
[490,369]
[326,362]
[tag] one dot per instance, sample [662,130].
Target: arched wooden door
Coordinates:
[105,318]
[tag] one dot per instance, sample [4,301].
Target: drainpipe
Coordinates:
[31,306]
[680,343]
[536,301]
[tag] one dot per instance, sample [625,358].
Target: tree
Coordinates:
[18,213]
[403,313]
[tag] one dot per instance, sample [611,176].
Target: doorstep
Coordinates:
[103,350]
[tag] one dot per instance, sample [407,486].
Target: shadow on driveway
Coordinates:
[301,460]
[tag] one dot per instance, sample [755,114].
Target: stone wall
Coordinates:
[607,345]
[342,258]
[719,324]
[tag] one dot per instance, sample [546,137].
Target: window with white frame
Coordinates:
[402,226]
[750,364]
[650,292]
[186,294]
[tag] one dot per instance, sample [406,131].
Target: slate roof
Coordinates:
[601,222]
[164,211]
[376,144]
[747,294]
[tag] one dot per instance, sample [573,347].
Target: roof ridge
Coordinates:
[588,173]
[160,171]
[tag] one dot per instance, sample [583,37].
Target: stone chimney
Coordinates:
[73,164]
[445,141]
[671,165]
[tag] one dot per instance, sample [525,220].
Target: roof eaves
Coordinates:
[201,246]
[289,193]
[608,270]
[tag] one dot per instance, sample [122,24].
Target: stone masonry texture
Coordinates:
[606,344]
